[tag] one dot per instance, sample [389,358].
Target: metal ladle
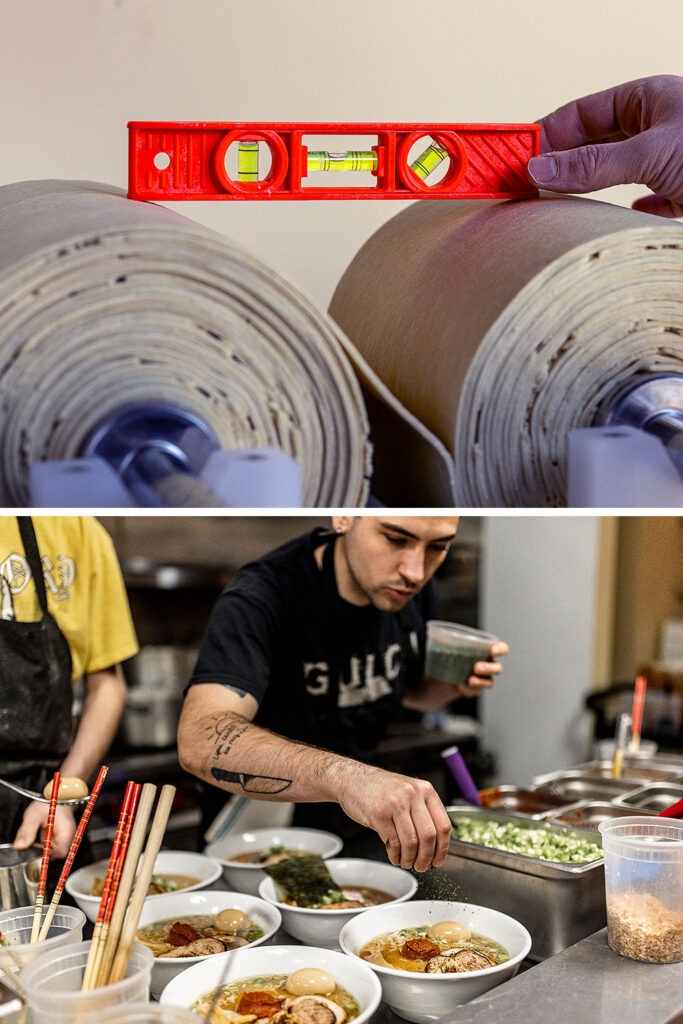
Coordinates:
[39,796]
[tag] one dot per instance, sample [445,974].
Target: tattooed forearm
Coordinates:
[224,732]
[252,783]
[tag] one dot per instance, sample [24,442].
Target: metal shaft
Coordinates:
[655,405]
[158,452]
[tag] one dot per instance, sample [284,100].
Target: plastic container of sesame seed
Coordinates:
[644,887]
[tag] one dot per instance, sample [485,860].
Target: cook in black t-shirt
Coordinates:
[307,654]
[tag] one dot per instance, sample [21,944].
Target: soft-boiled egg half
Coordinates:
[231,920]
[449,930]
[310,981]
[70,788]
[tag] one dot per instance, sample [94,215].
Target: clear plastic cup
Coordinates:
[16,926]
[53,985]
[143,1013]
[644,887]
[452,650]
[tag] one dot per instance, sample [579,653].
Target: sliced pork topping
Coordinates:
[316,1010]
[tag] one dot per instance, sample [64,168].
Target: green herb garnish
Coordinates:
[559,847]
[272,851]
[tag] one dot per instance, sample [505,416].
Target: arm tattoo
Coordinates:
[252,783]
[224,732]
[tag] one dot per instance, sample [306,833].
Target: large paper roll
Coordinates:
[105,302]
[502,326]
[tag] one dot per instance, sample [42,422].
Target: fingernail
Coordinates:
[542,169]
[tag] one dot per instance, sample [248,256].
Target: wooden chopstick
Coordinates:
[130,926]
[73,850]
[44,864]
[137,838]
[111,882]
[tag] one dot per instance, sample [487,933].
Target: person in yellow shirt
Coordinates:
[64,616]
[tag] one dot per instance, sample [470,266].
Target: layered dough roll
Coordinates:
[106,302]
[500,327]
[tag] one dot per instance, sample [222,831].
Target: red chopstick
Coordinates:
[111,883]
[73,850]
[44,864]
[118,849]
[637,711]
[674,811]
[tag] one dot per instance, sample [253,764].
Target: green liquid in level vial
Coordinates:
[429,160]
[353,160]
[247,161]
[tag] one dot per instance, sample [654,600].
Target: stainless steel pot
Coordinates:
[150,718]
[19,870]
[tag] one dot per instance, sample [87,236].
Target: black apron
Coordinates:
[35,697]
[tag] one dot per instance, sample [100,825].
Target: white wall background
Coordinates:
[73,72]
[539,592]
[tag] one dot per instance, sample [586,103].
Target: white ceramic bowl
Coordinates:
[224,968]
[184,904]
[424,997]
[172,862]
[322,927]
[248,877]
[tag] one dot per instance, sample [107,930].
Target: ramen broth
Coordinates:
[234,928]
[157,885]
[353,896]
[279,987]
[269,856]
[398,949]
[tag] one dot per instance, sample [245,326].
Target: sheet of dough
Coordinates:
[106,302]
[500,327]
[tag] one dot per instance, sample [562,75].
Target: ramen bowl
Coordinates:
[246,877]
[264,961]
[422,997]
[321,927]
[180,906]
[170,865]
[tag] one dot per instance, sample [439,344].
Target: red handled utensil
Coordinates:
[674,811]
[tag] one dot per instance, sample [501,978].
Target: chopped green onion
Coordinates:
[558,847]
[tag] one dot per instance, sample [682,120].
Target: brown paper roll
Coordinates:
[106,302]
[500,327]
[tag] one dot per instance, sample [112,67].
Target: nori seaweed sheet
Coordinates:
[305,880]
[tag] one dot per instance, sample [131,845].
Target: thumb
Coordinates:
[589,168]
[26,835]
[32,822]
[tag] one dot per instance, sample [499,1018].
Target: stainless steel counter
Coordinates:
[585,984]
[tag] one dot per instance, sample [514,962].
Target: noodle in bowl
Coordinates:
[422,997]
[226,969]
[187,905]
